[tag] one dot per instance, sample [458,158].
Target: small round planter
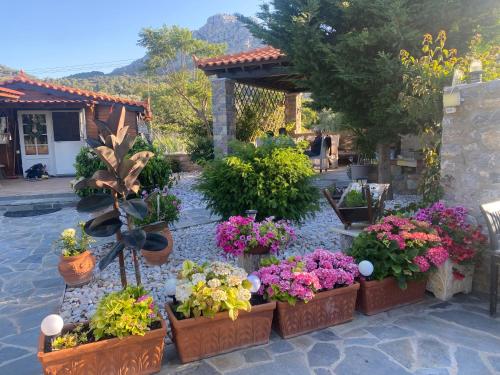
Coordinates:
[134,355]
[77,270]
[443,284]
[157,258]
[197,338]
[326,309]
[376,296]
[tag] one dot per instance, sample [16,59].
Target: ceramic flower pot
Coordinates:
[157,258]
[444,284]
[377,296]
[203,337]
[131,355]
[77,270]
[326,309]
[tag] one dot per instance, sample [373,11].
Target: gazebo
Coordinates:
[236,76]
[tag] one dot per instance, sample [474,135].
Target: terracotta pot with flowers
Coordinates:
[125,335]
[212,314]
[314,291]
[249,240]
[462,240]
[76,263]
[402,251]
[164,208]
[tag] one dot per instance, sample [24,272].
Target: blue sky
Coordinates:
[61,33]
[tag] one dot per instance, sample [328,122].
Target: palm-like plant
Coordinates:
[121,204]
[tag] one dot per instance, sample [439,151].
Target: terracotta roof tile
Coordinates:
[32,96]
[256,55]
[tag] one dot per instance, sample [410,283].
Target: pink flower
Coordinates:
[437,255]
[422,263]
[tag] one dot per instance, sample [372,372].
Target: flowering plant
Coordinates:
[463,241]
[128,312]
[72,244]
[299,278]
[163,206]
[240,234]
[399,247]
[204,290]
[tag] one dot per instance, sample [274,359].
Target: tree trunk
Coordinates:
[121,257]
[384,167]
[135,260]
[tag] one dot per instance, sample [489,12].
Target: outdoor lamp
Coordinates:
[365,268]
[170,287]
[251,213]
[255,281]
[476,71]
[52,325]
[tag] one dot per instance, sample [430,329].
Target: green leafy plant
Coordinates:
[124,313]
[163,206]
[77,336]
[73,244]
[157,173]
[355,198]
[275,180]
[120,177]
[204,290]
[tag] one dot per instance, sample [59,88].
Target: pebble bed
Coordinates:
[196,243]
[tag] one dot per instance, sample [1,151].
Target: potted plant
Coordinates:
[76,263]
[402,252]
[462,240]
[163,207]
[312,292]
[249,240]
[125,335]
[212,314]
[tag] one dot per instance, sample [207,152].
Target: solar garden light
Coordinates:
[170,287]
[52,325]
[365,268]
[476,71]
[251,213]
[255,281]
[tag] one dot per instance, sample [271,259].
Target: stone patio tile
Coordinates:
[324,335]
[451,332]
[471,320]
[8,353]
[201,368]
[361,341]
[441,305]
[280,346]
[355,333]
[286,364]
[388,332]
[322,371]
[495,362]
[227,362]
[363,361]
[323,355]
[7,327]
[432,371]
[469,362]
[302,342]
[432,353]
[401,350]
[27,365]
[256,355]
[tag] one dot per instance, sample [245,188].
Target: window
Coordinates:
[35,134]
[66,126]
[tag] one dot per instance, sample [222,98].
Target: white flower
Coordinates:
[183,291]
[69,233]
[198,277]
[219,295]
[244,294]
[214,283]
[234,280]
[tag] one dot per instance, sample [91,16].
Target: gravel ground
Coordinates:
[198,244]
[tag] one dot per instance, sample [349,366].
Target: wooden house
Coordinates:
[41,122]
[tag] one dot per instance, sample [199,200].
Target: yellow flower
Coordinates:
[68,233]
[219,295]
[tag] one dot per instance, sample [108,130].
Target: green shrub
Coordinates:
[355,198]
[124,313]
[201,149]
[156,173]
[275,180]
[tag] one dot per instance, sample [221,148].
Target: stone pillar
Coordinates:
[293,110]
[224,114]
[470,154]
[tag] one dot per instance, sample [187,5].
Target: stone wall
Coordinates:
[470,153]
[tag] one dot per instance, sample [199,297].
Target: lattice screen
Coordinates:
[264,108]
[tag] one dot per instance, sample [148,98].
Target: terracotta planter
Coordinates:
[130,355]
[157,258]
[324,310]
[377,296]
[77,270]
[444,284]
[202,337]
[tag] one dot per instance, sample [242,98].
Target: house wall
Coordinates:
[101,112]
[470,154]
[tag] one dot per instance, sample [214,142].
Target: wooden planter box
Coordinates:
[377,296]
[131,355]
[203,337]
[444,284]
[324,310]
